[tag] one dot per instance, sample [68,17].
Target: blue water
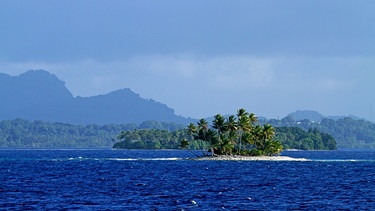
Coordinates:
[159,180]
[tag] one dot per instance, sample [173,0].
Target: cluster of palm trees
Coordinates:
[239,135]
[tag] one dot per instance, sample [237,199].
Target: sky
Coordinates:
[202,57]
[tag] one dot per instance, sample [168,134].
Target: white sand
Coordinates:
[251,158]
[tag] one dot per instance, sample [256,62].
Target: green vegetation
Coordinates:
[302,134]
[348,133]
[155,139]
[296,138]
[237,135]
[21,133]
[192,138]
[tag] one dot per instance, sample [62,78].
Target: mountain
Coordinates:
[315,116]
[305,114]
[39,95]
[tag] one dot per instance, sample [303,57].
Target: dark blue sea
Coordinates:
[161,180]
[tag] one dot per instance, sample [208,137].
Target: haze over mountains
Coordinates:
[315,116]
[39,95]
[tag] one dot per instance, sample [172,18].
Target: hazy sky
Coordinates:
[202,57]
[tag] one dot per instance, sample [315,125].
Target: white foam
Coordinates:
[140,159]
[123,159]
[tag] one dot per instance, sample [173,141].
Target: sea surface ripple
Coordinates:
[161,180]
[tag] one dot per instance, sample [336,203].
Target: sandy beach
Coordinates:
[251,158]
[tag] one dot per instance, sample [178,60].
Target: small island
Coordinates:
[234,137]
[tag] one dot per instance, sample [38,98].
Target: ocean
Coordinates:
[166,180]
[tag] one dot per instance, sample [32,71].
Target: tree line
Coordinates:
[348,132]
[297,138]
[240,134]
[20,133]
[154,139]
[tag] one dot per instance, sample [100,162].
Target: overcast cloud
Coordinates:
[202,57]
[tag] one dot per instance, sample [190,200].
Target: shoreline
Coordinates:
[250,158]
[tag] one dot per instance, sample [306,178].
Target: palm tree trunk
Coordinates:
[239,142]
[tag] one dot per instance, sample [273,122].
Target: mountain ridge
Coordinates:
[40,95]
[315,116]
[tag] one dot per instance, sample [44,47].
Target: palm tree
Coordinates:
[272,147]
[202,129]
[253,119]
[243,125]
[184,143]
[231,123]
[220,125]
[278,147]
[247,138]
[264,135]
[268,132]
[242,112]
[257,135]
[192,129]
[211,138]
[226,145]
[232,138]
[202,124]
[198,134]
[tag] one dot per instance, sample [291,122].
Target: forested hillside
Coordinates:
[348,132]
[297,138]
[21,133]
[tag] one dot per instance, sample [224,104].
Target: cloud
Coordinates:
[232,73]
